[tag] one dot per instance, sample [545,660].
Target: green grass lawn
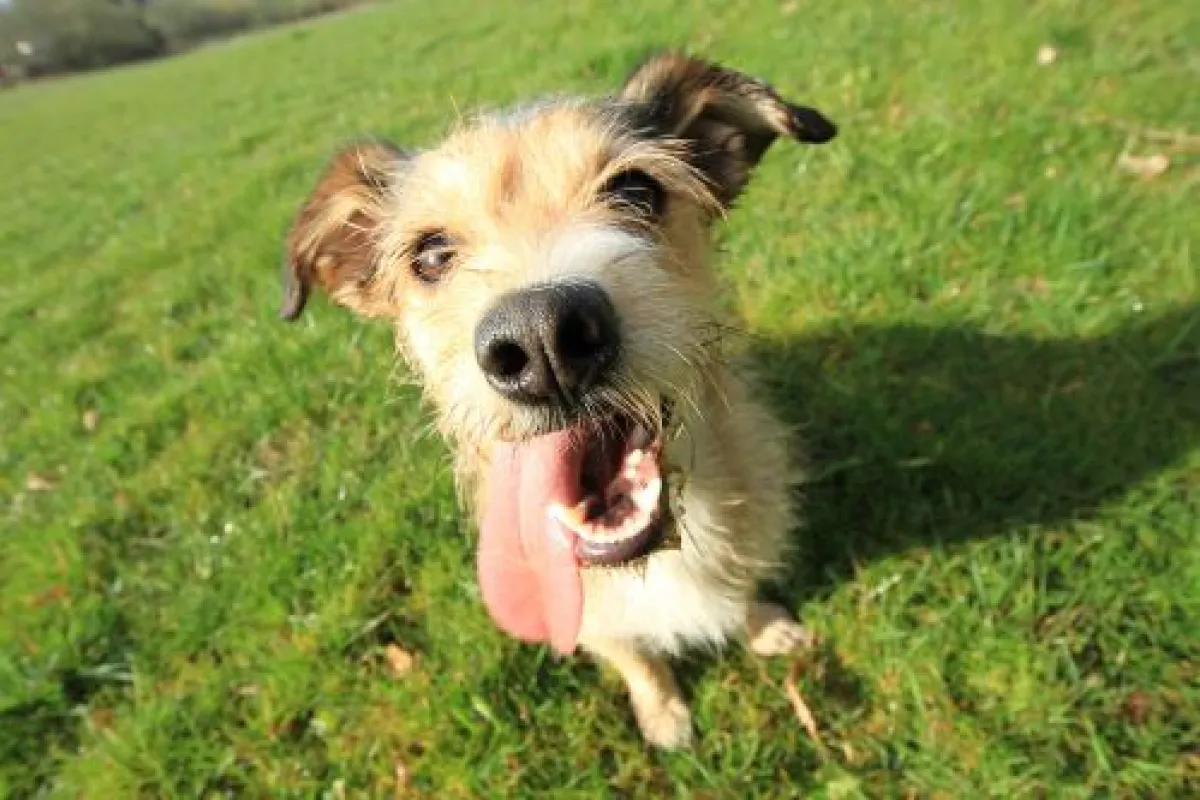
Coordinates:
[215,524]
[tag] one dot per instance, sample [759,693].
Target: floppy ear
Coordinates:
[728,118]
[332,240]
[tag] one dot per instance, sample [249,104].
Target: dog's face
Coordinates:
[547,273]
[550,266]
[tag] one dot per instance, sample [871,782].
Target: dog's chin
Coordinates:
[619,514]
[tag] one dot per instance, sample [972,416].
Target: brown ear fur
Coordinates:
[332,239]
[730,119]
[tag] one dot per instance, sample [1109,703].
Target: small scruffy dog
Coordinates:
[547,272]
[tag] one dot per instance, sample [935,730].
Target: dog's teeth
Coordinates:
[645,497]
[570,517]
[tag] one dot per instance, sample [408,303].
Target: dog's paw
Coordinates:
[665,722]
[773,632]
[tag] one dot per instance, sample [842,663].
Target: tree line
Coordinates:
[47,37]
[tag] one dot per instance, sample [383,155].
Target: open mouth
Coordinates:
[621,515]
[591,495]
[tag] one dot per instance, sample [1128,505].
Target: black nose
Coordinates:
[548,344]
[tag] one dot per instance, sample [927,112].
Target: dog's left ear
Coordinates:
[729,119]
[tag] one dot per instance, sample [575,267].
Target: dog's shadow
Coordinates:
[933,436]
[919,437]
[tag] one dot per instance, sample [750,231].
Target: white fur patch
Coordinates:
[592,252]
[667,607]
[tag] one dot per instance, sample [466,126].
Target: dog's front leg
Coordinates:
[657,702]
[772,631]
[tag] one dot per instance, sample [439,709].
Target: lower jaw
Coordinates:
[662,535]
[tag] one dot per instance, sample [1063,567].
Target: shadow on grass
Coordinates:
[930,436]
[36,733]
[919,437]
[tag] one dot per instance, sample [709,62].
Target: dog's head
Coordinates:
[547,272]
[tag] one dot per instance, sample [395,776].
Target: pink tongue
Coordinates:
[528,573]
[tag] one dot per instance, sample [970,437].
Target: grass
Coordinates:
[215,523]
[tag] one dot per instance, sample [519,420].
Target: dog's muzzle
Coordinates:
[549,344]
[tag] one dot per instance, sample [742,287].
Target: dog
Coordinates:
[547,271]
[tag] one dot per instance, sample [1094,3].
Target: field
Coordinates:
[217,527]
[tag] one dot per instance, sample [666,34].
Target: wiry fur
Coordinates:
[522,196]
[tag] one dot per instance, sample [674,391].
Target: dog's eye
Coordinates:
[637,190]
[432,256]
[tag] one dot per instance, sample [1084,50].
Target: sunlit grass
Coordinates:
[990,335]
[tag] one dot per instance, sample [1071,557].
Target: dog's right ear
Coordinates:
[333,239]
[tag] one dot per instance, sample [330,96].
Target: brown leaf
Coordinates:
[803,713]
[38,483]
[55,594]
[1145,167]
[400,660]
[91,420]
[102,719]
[1137,707]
